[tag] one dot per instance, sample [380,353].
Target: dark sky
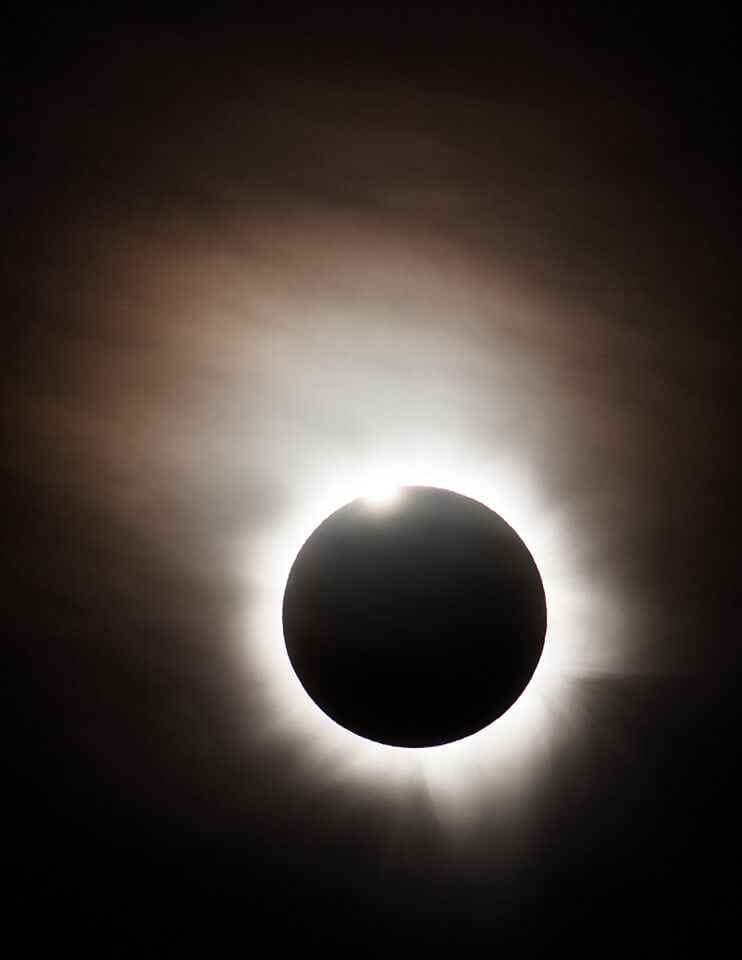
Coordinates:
[246,254]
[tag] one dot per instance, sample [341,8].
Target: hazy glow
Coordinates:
[382,497]
[499,762]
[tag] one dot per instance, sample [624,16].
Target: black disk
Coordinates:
[416,624]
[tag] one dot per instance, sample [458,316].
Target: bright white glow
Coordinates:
[488,772]
[382,497]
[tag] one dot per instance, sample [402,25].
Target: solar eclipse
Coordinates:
[416,618]
[270,285]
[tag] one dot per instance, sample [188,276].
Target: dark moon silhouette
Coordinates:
[416,624]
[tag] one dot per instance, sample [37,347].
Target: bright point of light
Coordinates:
[491,770]
[382,497]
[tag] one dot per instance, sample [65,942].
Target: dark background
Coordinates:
[190,201]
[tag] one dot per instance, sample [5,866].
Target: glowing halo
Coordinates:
[496,764]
